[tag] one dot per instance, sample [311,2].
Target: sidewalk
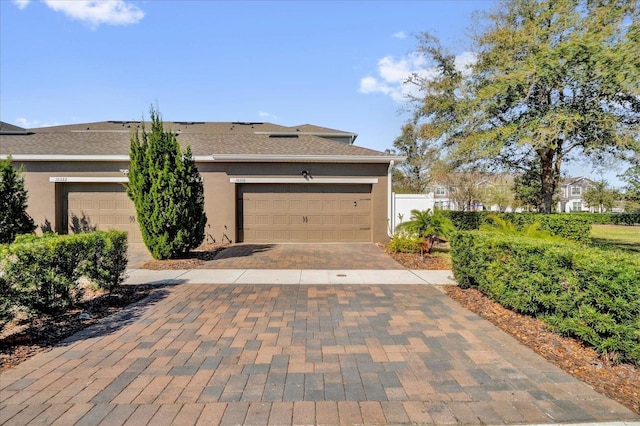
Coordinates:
[288,276]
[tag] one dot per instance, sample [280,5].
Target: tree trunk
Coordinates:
[547,180]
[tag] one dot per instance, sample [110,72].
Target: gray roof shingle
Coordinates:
[112,138]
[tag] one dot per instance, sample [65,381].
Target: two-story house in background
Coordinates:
[571,194]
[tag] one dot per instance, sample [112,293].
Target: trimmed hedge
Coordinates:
[611,218]
[42,273]
[586,293]
[569,226]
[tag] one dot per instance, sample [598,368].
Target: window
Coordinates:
[576,190]
[577,206]
[440,190]
[438,205]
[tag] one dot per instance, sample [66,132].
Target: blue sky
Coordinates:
[338,64]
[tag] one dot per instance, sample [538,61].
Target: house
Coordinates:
[571,192]
[263,182]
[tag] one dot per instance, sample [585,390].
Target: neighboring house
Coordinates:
[263,182]
[571,192]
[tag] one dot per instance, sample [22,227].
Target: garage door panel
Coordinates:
[304,213]
[99,207]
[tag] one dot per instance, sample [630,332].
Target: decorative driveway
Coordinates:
[296,354]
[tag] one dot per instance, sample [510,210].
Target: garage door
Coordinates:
[101,207]
[304,213]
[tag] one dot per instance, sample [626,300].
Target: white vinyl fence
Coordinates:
[402,204]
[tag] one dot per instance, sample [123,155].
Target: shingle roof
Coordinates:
[206,139]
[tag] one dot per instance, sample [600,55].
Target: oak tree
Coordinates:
[552,80]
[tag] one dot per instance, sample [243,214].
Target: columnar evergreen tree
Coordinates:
[167,190]
[14,219]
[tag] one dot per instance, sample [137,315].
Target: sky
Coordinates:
[336,64]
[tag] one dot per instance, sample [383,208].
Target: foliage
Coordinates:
[405,242]
[41,273]
[167,190]
[527,186]
[586,293]
[601,196]
[632,189]
[551,79]
[574,227]
[495,223]
[431,226]
[413,174]
[14,219]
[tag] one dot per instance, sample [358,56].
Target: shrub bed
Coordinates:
[569,226]
[589,294]
[41,274]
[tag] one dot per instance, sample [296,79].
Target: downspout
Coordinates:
[390,199]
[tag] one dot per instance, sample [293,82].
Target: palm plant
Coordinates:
[430,226]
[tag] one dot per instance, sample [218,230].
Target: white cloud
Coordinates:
[400,34]
[30,124]
[393,74]
[97,12]
[21,3]
[267,115]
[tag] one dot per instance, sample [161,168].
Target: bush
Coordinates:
[404,242]
[570,226]
[41,273]
[589,294]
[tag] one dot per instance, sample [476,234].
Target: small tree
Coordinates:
[14,219]
[412,175]
[601,196]
[167,190]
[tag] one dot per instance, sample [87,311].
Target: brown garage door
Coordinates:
[304,213]
[100,207]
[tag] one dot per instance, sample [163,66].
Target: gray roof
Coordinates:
[207,139]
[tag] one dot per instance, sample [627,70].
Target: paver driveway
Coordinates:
[289,256]
[270,354]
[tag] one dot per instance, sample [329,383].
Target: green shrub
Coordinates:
[570,226]
[590,294]
[405,242]
[41,273]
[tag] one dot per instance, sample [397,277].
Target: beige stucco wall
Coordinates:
[220,194]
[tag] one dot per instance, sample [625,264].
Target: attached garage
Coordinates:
[304,213]
[263,183]
[88,207]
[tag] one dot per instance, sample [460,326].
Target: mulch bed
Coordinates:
[20,340]
[191,260]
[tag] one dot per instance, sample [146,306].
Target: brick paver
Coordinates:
[353,354]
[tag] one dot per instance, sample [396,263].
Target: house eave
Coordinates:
[219,158]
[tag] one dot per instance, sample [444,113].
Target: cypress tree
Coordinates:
[14,219]
[166,188]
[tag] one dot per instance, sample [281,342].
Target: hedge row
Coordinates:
[611,218]
[586,293]
[41,274]
[572,227]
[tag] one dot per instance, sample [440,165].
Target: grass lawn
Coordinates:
[621,237]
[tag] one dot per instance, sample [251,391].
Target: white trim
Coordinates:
[246,158]
[302,180]
[87,179]
[222,158]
